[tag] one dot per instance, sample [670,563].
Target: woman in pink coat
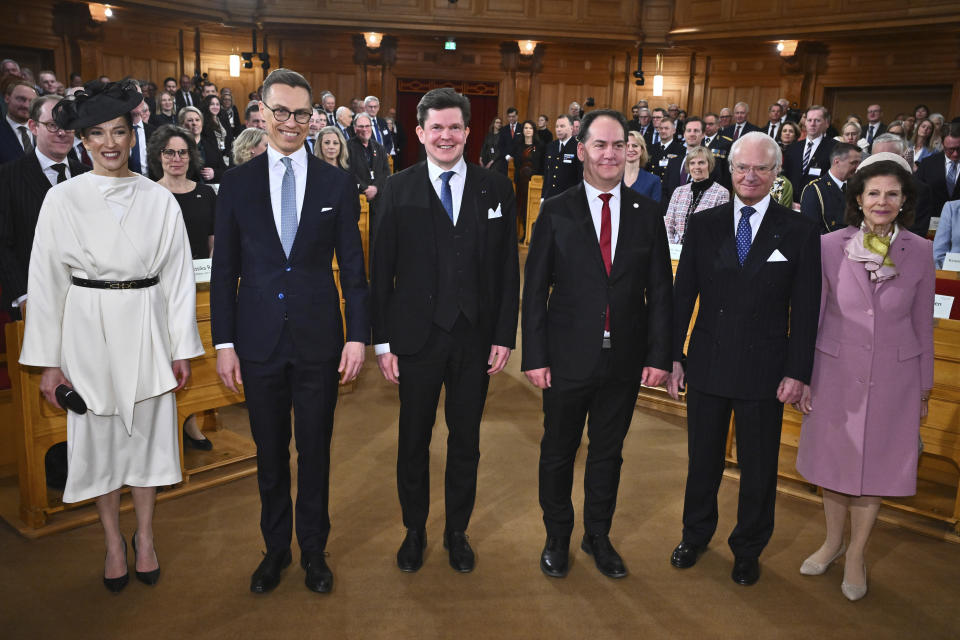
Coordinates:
[873,368]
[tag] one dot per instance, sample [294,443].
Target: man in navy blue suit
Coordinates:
[280,218]
[15,137]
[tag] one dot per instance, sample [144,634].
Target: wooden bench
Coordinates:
[937,502]
[534,191]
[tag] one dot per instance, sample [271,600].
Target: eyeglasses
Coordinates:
[362,126]
[282,114]
[170,154]
[53,127]
[743,169]
[950,150]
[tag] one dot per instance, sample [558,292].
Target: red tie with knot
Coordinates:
[605,236]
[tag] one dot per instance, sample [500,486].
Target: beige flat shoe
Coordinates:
[854,592]
[813,568]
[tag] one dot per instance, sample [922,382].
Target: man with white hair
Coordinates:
[344,122]
[371,104]
[755,266]
[924,207]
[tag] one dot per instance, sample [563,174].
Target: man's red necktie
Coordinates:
[605,236]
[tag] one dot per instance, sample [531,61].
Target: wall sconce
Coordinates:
[100,12]
[527,47]
[234,65]
[373,39]
[658,76]
[787,48]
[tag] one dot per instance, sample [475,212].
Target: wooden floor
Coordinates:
[209,543]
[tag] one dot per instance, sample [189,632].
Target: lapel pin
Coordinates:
[636,206]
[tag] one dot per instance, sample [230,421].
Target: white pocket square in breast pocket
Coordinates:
[776,256]
[494,213]
[325,209]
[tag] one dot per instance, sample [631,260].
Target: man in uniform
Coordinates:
[562,168]
[823,200]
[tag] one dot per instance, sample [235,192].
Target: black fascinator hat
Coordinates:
[96,103]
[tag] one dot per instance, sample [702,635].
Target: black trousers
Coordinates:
[272,388]
[606,403]
[758,425]
[457,361]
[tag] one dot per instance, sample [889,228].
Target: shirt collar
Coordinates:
[46,163]
[593,192]
[837,180]
[299,157]
[760,207]
[815,140]
[16,125]
[434,171]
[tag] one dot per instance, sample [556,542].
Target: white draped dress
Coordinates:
[114,346]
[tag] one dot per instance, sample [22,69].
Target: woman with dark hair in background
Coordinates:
[113,315]
[527,161]
[214,129]
[489,153]
[873,368]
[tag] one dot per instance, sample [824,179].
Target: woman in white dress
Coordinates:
[113,314]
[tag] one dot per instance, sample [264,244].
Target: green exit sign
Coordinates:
[450,45]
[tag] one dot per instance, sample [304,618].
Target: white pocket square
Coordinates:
[494,213]
[776,256]
[325,209]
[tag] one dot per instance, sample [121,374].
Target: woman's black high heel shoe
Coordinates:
[116,585]
[146,577]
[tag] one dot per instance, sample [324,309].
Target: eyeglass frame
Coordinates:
[170,153]
[760,171]
[53,127]
[307,113]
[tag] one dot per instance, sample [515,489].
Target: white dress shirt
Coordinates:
[813,149]
[46,165]
[755,218]
[837,181]
[16,131]
[596,213]
[142,149]
[457,182]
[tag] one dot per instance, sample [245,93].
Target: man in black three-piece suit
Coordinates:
[596,324]
[23,185]
[941,171]
[756,268]
[808,159]
[444,290]
[280,218]
[561,168]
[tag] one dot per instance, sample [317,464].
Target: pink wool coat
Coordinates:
[874,358]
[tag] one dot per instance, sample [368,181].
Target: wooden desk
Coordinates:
[534,191]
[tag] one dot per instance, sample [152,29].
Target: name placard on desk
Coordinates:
[202,269]
[942,305]
[934,223]
[951,262]
[675,250]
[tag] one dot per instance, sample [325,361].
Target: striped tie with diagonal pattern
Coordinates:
[806,155]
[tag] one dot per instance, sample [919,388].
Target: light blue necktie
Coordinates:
[288,207]
[744,233]
[446,196]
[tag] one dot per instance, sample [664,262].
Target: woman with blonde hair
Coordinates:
[248,145]
[333,148]
[923,141]
[635,176]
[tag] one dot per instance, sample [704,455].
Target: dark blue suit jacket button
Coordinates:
[280,296]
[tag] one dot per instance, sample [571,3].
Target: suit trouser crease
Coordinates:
[758,425]
[456,361]
[606,404]
[272,388]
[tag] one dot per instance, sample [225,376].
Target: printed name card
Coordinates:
[934,223]
[942,306]
[202,269]
[675,250]
[951,262]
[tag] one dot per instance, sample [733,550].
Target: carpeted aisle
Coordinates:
[209,543]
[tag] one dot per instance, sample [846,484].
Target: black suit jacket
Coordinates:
[360,168]
[181,102]
[758,323]
[298,291]
[720,146]
[921,223]
[212,157]
[932,171]
[381,125]
[10,148]
[23,187]
[148,130]
[404,261]
[561,170]
[567,291]
[793,164]
[747,128]
[658,153]
[766,129]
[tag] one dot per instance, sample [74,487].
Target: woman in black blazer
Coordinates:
[211,161]
[166,112]
[527,161]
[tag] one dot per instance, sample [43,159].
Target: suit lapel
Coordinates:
[580,210]
[726,253]
[265,221]
[35,178]
[628,225]
[469,205]
[768,237]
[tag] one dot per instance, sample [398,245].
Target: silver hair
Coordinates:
[362,114]
[340,110]
[891,138]
[370,99]
[759,137]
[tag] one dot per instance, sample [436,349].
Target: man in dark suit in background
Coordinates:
[596,324]
[893,143]
[874,125]
[718,144]
[675,173]
[756,269]
[15,138]
[506,141]
[774,123]
[561,167]
[23,185]
[186,96]
[941,171]
[142,130]
[445,286]
[740,124]
[371,104]
[809,159]
[280,218]
[823,201]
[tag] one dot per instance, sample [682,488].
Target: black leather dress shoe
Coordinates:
[746,571]
[319,577]
[607,559]
[555,559]
[267,576]
[461,555]
[686,555]
[410,555]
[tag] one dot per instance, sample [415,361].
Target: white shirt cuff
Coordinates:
[19,301]
[382,348]
[225,345]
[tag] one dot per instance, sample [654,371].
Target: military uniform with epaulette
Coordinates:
[561,167]
[825,203]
